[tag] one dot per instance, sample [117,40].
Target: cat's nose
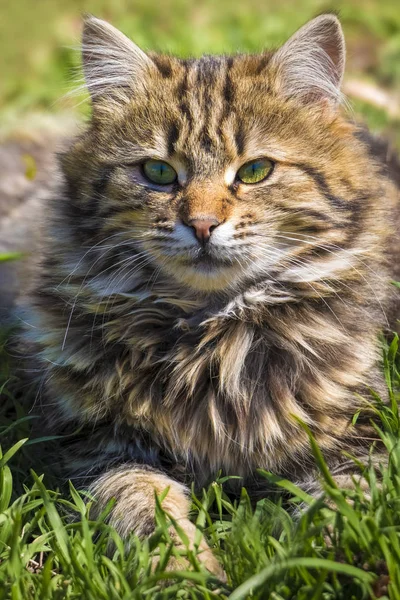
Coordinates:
[203,228]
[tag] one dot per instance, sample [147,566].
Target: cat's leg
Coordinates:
[345,473]
[134,487]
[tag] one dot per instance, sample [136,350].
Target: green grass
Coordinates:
[344,545]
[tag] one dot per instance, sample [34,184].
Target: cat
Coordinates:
[216,262]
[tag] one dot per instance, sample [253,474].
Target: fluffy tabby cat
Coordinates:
[216,263]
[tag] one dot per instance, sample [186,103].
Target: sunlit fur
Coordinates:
[192,361]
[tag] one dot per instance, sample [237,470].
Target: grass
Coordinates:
[344,545]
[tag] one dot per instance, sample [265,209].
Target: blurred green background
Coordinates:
[38,62]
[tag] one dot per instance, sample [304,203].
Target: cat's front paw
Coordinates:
[205,554]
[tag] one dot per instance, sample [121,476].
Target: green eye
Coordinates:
[255,170]
[159,172]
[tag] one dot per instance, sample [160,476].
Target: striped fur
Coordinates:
[181,361]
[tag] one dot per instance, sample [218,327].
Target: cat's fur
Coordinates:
[178,361]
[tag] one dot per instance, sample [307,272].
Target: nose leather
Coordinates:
[203,228]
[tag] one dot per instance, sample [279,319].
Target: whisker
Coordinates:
[327,249]
[84,256]
[297,262]
[123,277]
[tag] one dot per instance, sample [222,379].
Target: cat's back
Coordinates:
[384,151]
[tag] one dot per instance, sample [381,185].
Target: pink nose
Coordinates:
[203,228]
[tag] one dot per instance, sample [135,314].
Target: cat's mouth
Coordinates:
[205,270]
[205,260]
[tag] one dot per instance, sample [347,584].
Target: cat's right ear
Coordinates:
[112,64]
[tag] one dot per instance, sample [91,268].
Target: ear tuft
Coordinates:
[310,65]
[111,62]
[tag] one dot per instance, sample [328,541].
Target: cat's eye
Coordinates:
[160,172]
[255,171]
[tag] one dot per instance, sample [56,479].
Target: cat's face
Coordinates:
[222,170]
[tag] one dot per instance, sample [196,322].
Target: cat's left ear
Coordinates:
[310,66]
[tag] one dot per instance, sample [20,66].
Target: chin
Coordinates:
[206,278]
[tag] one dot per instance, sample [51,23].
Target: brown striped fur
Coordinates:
[188,360]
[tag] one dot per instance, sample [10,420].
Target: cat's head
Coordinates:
[221,170]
